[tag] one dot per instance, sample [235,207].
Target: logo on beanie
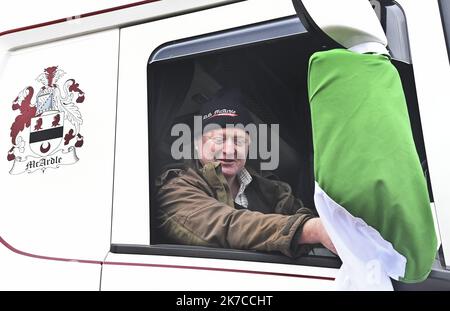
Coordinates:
[221,113]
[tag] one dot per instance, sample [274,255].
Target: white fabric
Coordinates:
[368,260]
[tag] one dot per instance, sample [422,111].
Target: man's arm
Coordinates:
[314,232]
[190,215]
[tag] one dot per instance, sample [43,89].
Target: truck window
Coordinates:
[181,75]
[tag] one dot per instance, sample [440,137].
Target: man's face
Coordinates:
[229,146]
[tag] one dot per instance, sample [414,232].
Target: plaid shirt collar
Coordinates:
[244,179]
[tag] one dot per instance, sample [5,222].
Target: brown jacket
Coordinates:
[196,208]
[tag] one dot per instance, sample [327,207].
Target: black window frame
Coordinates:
[222,41]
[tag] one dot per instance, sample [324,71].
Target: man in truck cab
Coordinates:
[217,200]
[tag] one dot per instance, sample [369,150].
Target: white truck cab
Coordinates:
[86,104]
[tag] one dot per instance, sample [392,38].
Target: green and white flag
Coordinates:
[365,158]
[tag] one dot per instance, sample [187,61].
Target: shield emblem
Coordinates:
[46,132]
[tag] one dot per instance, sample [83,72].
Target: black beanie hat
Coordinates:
[226,107]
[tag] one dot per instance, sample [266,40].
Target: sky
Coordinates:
[20,13]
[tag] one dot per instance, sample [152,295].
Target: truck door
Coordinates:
[167,68]
[165,71]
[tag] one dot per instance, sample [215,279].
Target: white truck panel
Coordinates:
[65,211]
[432,75]
[69,26]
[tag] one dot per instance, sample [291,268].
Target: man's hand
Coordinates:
[314,232]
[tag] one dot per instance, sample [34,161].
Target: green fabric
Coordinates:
[364,153]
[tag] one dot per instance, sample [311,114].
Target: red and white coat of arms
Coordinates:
[46,133]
